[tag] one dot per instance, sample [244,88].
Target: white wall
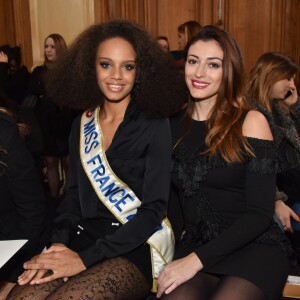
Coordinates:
[66,17]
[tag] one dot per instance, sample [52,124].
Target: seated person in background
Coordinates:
[23,211]
[14,77]
[109,228]
[223,185]
[272,90]
[163,42]
[34,139]
[185,32]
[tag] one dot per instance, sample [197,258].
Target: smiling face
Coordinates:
[280,88]
[116,69]
[203,69]
[50,51]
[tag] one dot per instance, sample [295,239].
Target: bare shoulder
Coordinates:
[256,125]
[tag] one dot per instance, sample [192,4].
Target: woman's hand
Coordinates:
[292,99]
[29,276]
[284,214]
[35,274]
[178,272]
[59,259]
[55,247]
[3,57]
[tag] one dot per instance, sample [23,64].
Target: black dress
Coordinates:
[227,211]
[55,122]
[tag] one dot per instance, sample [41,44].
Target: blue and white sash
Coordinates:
[115,194]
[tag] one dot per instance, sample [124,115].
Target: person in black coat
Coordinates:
[14,77]
[23,211]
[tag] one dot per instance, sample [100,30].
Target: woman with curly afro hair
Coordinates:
[110,239]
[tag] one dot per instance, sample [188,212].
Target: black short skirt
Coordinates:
[263,265]
[96,228]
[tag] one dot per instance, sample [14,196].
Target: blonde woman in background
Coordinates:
[272,90]
[55,123]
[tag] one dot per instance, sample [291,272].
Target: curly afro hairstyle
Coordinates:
[159,88]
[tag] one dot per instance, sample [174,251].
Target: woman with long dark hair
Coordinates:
[223,182]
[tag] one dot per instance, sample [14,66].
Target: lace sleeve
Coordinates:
[265,160]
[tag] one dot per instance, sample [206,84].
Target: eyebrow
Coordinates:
[125,61]
[209,58]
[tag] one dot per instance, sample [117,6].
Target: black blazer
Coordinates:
[140,155]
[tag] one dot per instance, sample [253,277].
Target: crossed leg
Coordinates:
[113,279]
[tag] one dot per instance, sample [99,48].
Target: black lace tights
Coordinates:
[208,287]
[114,279]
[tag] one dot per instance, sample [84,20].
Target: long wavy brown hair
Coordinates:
[225,136]
[269,69]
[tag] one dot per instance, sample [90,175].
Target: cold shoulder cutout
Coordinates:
[256,126]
